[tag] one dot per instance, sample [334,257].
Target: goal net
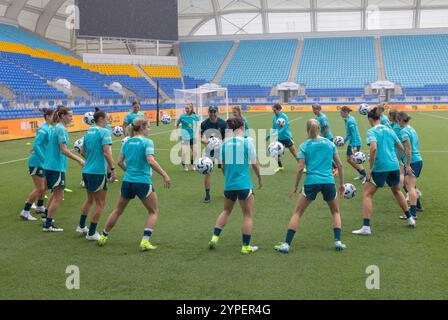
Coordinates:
[201,98]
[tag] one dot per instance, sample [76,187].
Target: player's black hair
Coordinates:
[393,113]
[235,123]
[99,114]
[47,113]
[135,103]
[346,109]
[317,107]
[374,114]
[277,106]
[403,116]
[60,111]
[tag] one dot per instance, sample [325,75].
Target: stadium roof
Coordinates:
[231,17]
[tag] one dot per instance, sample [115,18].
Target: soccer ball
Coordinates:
[339,141]
[419,195]
[213,143]
[125,140]
[276,149]
[204,165]
[349,191]
[78,145]
[281,122]
[364,109]
[88,118]
[166,119]
[359,157]
[117,131]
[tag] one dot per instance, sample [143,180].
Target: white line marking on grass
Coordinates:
[433,116]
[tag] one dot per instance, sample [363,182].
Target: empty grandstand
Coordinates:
[329,62]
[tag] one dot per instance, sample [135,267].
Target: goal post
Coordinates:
[201,98]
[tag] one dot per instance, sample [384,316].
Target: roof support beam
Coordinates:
[218,22]
[417,13]
[47,15]
[264,16]
[15,8]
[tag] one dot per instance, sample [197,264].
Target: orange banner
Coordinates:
[294,108]
[334,108]
[27,128]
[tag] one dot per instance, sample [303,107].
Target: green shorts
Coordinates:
[233,195]
[131,189]
[55,179]
[37,171]
[328,191]
[288,143]
[95,182]
[392,178]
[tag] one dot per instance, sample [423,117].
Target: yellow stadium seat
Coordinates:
[162,71]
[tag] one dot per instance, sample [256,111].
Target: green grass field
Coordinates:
[413,263]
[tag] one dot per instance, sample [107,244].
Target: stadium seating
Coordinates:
[418,63]
[16,35]
[202,60]
[169,77]
[337,66]
[262,63]
[25,84]
[129,77]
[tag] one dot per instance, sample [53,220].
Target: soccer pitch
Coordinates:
[412,262]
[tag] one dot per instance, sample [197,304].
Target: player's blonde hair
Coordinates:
[312,128]
[138,126]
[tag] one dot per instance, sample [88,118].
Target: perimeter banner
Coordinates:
[27,128]
[334,108]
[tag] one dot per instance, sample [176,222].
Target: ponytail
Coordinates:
[375,113]
[312,128]
[137,126]
[48,113]
[403,116]
[60,111]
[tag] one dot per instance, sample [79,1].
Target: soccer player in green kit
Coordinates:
[55,164]
[98,154]
[385,150]
[353,140]
[187,122]
[237,154]
[131,116]
[36,169]
[137,160]
[284,135]
[317,154]
[413,161]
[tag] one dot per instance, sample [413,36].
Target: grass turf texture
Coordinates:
[412,263]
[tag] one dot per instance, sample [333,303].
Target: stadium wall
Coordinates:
[13,129]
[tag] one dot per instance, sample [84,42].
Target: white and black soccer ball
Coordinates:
[339,141]
[117,131]
[276,149]
[359,157]
[204,165]
[280,122]
[166,119]
[78,145]
[419,194]
[364,109]
[125,139]
[349,191]
[88,118]
[214,143]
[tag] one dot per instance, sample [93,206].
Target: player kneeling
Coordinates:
[137,159]
[317,154]
[97,151]
[237,153]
